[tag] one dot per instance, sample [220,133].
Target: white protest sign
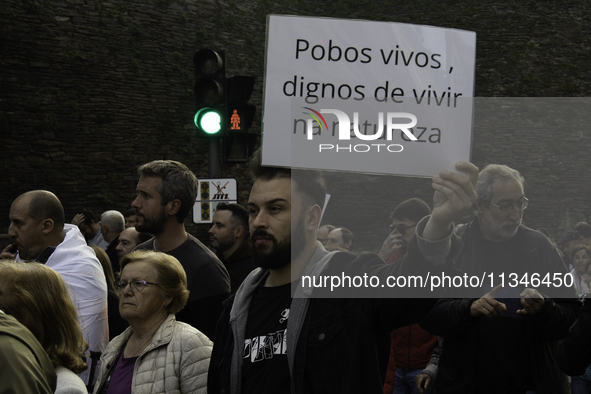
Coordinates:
[363,96]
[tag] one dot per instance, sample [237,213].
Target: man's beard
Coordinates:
[504,230]
[151,225]
[279,253]
[221,245]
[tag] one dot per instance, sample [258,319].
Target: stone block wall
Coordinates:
[90,89]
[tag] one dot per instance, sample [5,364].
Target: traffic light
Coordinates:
[210,93]
[240,113]
[238,144]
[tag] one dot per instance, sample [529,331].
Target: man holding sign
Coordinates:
[336,345]
[503,341]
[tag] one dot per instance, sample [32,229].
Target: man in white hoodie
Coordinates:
[38,233]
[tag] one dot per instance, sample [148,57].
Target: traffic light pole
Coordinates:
[214,158]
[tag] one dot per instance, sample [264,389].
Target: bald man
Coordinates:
[129,239]
[39,233]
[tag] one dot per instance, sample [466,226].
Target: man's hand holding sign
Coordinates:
[455,193]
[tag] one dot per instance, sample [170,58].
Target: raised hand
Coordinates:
[78,219]
[392,243]
[7,253]
[454,194]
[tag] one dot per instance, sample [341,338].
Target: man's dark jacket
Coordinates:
[239,264]
[341,344]
[451,317]
[574,355]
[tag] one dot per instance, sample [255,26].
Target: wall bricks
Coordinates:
[91,89]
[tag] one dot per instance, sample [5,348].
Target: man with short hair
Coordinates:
[166,193]
[229,237]
[323,232]
[405,218]
[340,239]
[130,219]
[112,224]
[90,228]
[334,345]
[501,339]
[38,232]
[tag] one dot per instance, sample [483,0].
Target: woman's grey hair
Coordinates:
[493,173]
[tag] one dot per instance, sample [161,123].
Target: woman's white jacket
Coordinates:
[175,362]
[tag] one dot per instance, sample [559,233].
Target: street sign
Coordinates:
[210,193]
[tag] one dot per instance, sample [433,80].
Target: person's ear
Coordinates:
[175,206]
[167,302]
[47,226]
[313,218]
[238,232]
[481,206]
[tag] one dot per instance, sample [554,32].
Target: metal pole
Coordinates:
[214,158]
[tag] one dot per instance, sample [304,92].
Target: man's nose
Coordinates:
[11,232]
[515,213]
[260,220]
[135,204]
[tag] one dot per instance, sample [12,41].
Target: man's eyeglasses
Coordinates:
[135,285]
[509,207]
[402,228]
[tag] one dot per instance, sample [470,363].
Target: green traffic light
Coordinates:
[208,120]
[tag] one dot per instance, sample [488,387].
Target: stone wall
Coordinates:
[90,89]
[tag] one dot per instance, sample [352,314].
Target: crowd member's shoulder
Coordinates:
[148,245]
[204,250]
[18,371]
[68,382]
[353,261]
[189,333]
[535,237]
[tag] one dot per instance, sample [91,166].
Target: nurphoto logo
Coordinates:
[384,128]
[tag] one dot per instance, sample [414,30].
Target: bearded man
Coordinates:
[228,236]
[318,341]
[166,192]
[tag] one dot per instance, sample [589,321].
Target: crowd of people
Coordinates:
[132,303]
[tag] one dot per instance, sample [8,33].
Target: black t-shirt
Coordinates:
[207,281]
[265,368]
[206,275]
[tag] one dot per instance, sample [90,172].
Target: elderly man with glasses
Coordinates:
[500,335]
